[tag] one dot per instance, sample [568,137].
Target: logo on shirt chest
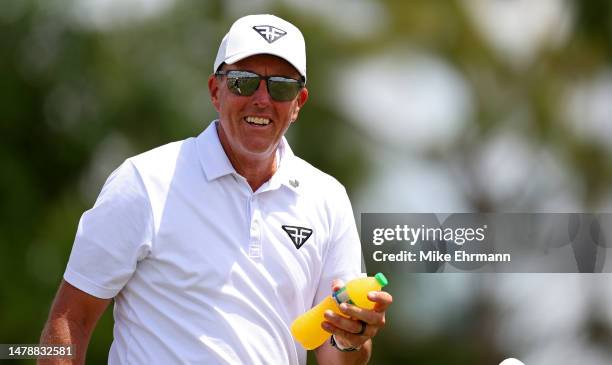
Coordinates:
[298,235]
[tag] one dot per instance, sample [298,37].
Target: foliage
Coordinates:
[77,100]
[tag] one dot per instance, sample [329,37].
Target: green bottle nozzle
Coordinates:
[382,280]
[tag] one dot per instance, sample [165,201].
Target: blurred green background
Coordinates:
[416,106]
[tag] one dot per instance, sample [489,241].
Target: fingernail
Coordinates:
[372,295]
[326,325]
[328,314]
[343,307]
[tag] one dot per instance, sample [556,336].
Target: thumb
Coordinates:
[336,284]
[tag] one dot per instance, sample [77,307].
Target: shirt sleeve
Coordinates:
[112,236]
[343,257]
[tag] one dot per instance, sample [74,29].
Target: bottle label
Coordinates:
[341,296]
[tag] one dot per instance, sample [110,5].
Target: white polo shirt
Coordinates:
[202,269]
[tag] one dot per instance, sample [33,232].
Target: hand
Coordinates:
[345,330]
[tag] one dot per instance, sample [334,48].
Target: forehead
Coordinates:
[265,64]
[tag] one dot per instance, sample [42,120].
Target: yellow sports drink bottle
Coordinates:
[306,329]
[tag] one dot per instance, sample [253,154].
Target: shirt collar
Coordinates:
[216,164]
[212,155]
[287,173]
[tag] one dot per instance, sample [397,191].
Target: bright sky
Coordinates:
[105,14]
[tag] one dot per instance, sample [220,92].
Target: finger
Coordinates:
[371,317]
[346,338]
[382,299]
[337,284]
[346,324]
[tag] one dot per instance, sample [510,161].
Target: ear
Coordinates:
[301,100]
[213,89]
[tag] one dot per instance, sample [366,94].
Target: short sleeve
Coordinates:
[112,236]
[343,257]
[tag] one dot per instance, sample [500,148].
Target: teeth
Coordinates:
[257,120]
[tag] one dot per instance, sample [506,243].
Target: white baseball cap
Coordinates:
[263,34]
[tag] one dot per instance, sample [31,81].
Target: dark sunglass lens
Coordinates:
[242,83]
[283,89]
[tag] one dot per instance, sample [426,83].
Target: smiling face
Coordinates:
[251,127]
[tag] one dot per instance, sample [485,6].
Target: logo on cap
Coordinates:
[269,33]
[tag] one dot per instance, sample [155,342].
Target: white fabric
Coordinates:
[262,34]
[198,264]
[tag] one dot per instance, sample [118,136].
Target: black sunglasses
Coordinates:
[245,83]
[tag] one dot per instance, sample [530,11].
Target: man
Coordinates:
[213,245]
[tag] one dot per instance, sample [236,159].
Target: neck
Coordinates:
[255,171]
[255,168]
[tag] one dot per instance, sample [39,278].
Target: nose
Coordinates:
[261,97]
